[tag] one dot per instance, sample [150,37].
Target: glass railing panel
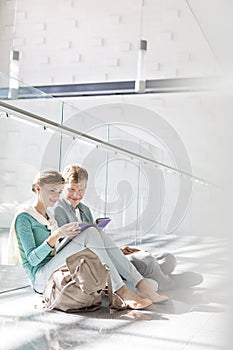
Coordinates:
[131,201]
[94,159]
[84,123]
[88,122]
[25,149]
[29,99]
[126,134]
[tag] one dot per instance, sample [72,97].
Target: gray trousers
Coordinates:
[156,268]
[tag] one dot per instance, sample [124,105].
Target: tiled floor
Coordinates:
[193,319]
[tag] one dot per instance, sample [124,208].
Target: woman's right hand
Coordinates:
[71,229]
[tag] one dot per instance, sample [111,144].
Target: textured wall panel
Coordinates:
[91,33]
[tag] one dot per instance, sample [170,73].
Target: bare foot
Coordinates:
[146,291]
[131,300]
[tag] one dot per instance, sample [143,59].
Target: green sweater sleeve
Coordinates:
[31,236]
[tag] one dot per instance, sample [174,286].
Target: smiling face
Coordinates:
[48,194]
[74,192]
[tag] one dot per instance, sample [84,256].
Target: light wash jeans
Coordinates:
[106,249]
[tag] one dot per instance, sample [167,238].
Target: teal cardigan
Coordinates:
[31,236]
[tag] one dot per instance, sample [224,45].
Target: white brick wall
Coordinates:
[87,41]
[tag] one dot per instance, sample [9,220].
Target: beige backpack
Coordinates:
[78,285]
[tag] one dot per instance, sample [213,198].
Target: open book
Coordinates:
[99,223]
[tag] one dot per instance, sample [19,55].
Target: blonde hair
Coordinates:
[75,173]
[48,177]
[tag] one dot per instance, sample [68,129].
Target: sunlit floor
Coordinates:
[193,319]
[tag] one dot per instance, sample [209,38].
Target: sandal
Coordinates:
[120,304]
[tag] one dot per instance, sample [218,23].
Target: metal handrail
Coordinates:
[26,115]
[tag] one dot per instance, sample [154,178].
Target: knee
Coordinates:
[148,266]
[171,260]
[88,236]
[152,283]
[139,264]
[167,263]
[91,229]
[90,232]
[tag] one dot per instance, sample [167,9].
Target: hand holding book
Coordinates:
[99,223]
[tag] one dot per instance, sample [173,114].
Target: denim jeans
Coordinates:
[106,249]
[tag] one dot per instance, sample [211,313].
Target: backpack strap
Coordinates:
[109,283]
[50,305]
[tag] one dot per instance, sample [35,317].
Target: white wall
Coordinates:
[73,41]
